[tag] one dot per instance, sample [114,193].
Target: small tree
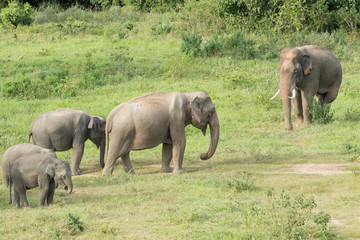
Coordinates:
[16,14]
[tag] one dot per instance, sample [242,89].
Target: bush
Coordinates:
[17,14]
[235,45]
[321,114]
[47,85]
[284,217]
[148,5]
[191,44]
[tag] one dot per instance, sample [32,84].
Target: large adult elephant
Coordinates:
[17,151]
[156,118]
[66,128]
[305,72]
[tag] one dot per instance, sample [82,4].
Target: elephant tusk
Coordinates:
[293,94]
[276,94]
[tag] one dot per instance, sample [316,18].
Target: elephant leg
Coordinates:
[43,194]
[16,200]
[179,143]
[5,177]
[332,93]
[78,151]
[166,158]
[307,100]
[23,200]
[51,192]
[127,163]
[298,109]
[117,148]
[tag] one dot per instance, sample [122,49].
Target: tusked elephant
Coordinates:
[66,128]
[147,121]
[37,169]
[305,72]
[16,151]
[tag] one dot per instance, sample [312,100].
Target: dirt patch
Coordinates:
[319,168]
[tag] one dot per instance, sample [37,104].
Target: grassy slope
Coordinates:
[201,204]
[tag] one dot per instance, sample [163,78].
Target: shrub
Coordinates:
[148,5]
[46,85]
[285,217]
[191,44]
[17,14]
[236,45]
[321,114]
[74,225]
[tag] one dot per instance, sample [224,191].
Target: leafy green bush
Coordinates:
[47,85]
[236,45]
[284,217]
[16,14]
[191,44]
[321,114]
[148,5]
[74,225]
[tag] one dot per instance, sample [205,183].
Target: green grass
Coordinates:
[216,198]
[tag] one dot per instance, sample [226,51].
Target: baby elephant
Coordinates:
[38,170]
[17,151]
[66,128]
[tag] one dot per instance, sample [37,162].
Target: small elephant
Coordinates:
[155,118]
[305,72]
[16,151]
[38,170]
[66,128]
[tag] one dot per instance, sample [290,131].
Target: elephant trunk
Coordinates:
[214,131]
[102,152]
[285,90]
[68,185]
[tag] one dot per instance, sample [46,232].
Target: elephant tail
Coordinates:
[107,131]
[29,135]
[10,183]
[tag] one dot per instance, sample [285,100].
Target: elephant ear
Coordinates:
[94,124]
[307,64]
[50,170]
[196,109]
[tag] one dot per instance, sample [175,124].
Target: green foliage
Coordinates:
[191,44]
[244,182]
[321,114]
[158,5]
[234,45]
[284,217]
[16,14]
[352,114]
[46,85]
[271,16]
[74,225]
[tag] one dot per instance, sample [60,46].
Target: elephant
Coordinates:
[305,72]
[66,128]
[161,117]
[35,170]
[16,151]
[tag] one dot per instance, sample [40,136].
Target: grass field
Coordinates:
[262,183]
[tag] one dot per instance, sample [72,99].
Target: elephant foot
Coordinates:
[299,122]
[179,171]
[76,172]
[166,169]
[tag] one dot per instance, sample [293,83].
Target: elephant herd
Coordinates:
[147,121]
